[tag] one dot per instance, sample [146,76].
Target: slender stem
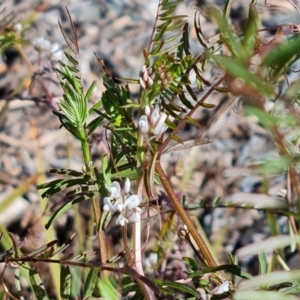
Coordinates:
[96,207]
[185,217]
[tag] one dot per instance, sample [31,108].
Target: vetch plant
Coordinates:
[137,144]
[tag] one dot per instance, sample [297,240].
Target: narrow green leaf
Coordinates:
[170,4]
[207,105]
[90,283]
[166,13]
[175,26]
[167,50]
[263,265]
[18,284]
[90,90]
[227,9]
[184,288]
[173,18]
[65,282]
[269,279]
[249,39]
[237,70]
[280,56]
[71,58]
[261,295]
[37,285]
[185,101]
[191,262]
[170,39]
[229,268]
[193,122]
[94,124]
[108,288]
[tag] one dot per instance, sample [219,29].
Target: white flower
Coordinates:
[134,217]
[221,289]
[56,52]
[147,110]
[160,126]
[18,27]
[127,186]
[153,122]
[115,190]
[132,202]
[143,124]
[40,44]
[112,207]
[155,115]
[116,202]
[121,220]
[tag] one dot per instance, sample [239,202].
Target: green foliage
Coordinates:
[165,79]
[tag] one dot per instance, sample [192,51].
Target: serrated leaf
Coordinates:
[65,282]
[37,285]
[90,283]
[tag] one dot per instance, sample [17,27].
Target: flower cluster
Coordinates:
[146,80]
[41,44]
[125,204]
[153,122]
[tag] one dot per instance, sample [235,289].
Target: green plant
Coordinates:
[166,103]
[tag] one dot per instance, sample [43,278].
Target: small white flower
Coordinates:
[41,44]
[115,190]
[121,220]
[134,217]
[132,202]
[143,124]
[160,126]
[153,122]
[147,110]
[127,186]
[221,289]
[18,27]
[56,52]
[155,115]
[117,202]
[112,207]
